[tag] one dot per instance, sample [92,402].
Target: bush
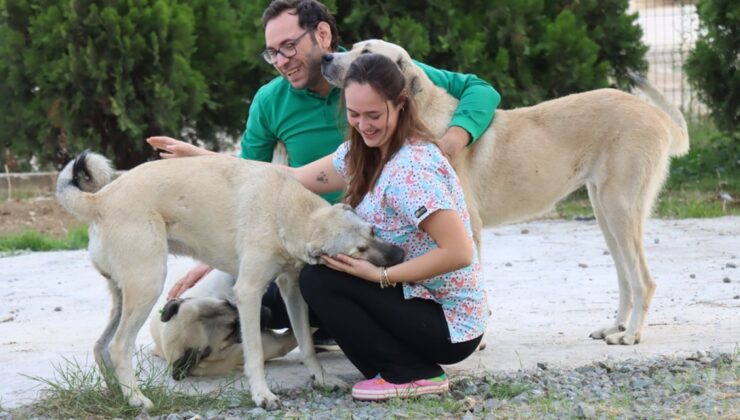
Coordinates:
[713,66]
[530,50]
[105,75]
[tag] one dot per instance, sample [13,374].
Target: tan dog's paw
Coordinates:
[265,399]
[137,399]
[623,339]
[603,333]
[332,382]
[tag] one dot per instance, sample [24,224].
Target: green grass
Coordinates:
[79,391]
[32,240]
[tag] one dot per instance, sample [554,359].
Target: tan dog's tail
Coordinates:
[77,182]
[680,144]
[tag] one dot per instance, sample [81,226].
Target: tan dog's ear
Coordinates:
[170,309]
[344,206]
[313,252]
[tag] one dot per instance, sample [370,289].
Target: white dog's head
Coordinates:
[334,66]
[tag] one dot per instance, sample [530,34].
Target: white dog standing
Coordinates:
[530,158]
[247,219]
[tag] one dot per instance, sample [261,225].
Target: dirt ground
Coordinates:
[43,214]
[549,284]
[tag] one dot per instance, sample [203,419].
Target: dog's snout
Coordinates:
[395,256]
[327,58]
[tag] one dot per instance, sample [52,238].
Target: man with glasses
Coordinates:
[302,110]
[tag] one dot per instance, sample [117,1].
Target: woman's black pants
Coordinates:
[380,331]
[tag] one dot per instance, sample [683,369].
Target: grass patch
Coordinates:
[696,183]
[79,391]
[32,240]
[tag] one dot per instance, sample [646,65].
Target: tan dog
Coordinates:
[198,334]
[531,158]
[247,219]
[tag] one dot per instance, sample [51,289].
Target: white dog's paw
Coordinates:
[623,339]
[266,400]
[602,333]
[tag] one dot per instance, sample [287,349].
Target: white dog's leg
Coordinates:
[298,314]
[625,292]
[250,286]
[141,287]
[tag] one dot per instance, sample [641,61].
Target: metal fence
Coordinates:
[670,29]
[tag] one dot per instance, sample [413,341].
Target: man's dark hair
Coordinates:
[310,13]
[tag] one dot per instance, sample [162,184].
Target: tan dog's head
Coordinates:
[334,66]
[196,328]
[338,230]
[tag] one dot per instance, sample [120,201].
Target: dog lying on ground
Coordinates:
[531,158]
[248,219]
[198,334]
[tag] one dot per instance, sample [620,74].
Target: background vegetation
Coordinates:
[105,75]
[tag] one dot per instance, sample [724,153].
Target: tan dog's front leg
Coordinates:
[248,291]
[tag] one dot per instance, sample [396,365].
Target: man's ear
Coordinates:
[323,35]
[313,252]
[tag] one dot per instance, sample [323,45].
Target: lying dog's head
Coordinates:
[196,328]
[338,230]
[334,66]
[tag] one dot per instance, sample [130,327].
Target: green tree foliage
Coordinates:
[530,50]
[713,65]
[105,75]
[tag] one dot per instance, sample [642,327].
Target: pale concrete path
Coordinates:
[549,283]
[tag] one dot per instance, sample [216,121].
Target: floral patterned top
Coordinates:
[415,183]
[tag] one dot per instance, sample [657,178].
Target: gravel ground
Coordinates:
[702,385]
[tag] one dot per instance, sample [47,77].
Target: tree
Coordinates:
[530,50]
[713,66]
[105,75]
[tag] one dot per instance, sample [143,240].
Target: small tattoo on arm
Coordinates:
[322,178]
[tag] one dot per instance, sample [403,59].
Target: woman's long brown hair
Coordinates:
[364,163]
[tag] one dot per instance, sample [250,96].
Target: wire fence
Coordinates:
[670,29]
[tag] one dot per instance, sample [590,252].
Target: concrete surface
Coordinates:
[550,284]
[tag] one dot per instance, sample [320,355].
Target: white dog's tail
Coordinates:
[680,144]
[85,175]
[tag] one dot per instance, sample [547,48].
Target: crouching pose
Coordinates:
[396,324]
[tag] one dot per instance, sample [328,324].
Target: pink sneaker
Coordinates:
[380,389]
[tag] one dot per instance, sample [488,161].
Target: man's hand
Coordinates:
[453,141]
[356,267]
[193,276]
[172,148]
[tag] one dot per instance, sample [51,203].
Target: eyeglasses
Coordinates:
[287,50]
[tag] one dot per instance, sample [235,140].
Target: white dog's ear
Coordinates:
[313,252]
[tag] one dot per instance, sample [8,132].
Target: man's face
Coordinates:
[303,70]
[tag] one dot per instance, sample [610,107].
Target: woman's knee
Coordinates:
[311,282]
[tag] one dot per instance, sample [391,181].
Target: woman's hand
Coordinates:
[356,267]
[172,148]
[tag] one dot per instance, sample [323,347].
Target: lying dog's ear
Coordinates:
[313,252]
[170,309]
